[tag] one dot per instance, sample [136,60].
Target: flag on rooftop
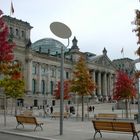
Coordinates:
[11,9]
[122,50]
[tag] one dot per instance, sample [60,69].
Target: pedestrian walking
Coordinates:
[89,108]
[72,109]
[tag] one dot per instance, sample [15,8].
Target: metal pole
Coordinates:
[61,30]
[4,110]
[62,91]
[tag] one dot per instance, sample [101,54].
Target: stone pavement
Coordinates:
[73,129]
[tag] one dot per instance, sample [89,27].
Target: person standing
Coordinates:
[67,108]
[51,109]
[48,109]
[112,108]
[93,108]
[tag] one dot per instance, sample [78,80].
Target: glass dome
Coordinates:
[48,45]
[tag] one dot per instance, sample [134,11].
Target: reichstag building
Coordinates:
[41,65]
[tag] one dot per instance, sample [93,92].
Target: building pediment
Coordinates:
[102,60]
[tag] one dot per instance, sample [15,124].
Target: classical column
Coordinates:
[39,78]
[109,85]
[93,78]
[99,85]
[29,75]
[104,84]
[48,79]
[112,83]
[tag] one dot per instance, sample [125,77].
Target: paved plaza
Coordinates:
[73,128]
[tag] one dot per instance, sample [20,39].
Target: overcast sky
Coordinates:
[95,23]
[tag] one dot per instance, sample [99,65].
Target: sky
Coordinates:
[95,23]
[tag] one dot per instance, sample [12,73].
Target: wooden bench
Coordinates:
[57,115]
[27,113]
[21,119]
[114,126]
[106,116]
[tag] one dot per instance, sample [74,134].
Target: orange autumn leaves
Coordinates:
[81,83]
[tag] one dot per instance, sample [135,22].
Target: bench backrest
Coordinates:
[66,114]
[58,113]
[26,119]
[28,113]
[114,125]
[102,125]
[124,126]
[103,115]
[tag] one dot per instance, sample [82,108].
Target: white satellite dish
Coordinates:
[60,29]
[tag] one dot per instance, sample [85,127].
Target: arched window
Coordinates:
[43,87]
[33,86]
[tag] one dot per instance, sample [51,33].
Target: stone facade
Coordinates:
[41,65]
[125,64]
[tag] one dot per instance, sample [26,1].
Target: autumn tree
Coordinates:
[137,23]
[6,47]
[14,84]
[124,88]
[82,84]
[137,30]
[11,78]
[66,90]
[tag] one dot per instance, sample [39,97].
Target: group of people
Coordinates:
[91,108]
[49,109]
[70,109]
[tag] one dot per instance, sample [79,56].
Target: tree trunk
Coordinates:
[130,109]
[126,108]
[87,108]
[15,107]
[77,112]
[82,108]
[12,106]
[5,108]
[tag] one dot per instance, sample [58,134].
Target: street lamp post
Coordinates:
[62,31]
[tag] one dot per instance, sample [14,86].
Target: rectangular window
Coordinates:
[34,69]
[53,73]
[67,75]
[17,32]
[43,71]
[22,34]
[33,86]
